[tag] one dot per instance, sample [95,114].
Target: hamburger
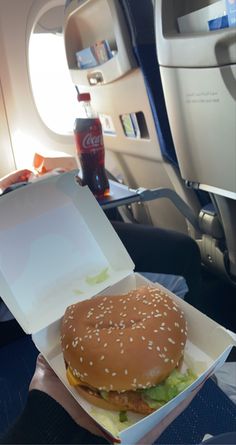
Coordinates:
[122,352]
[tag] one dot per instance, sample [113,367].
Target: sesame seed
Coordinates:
[113,374]
[102,357]
[126,372]
[131,339]
[122,351]
[67,346]
[105,345]
[107,370]
[91,363]
[81,359]
[170,340]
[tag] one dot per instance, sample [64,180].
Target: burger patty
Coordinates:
[126,401]
[130,401]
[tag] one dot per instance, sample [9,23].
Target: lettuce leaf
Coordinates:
[170,388]
[99,278]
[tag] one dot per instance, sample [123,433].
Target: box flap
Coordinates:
[57,247]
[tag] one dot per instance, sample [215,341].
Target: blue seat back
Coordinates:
[140,18]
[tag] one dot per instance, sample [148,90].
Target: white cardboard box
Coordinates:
[54,237]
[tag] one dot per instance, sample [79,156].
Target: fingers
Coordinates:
[14,177]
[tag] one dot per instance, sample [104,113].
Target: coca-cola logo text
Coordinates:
[91,141]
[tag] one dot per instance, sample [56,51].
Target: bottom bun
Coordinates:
[96,399]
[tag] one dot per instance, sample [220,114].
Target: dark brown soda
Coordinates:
[91,154]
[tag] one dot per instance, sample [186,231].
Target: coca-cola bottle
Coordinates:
[90,148]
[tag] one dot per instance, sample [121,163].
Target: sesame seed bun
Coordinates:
[124,342]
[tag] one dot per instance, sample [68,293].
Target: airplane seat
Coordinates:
[147,160]
[141,23]
[144,47]
[197,58]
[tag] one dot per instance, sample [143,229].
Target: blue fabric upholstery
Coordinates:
[211,412]
[140,18]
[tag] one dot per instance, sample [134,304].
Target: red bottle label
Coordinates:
[88,135]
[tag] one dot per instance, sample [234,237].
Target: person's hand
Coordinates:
[15,177]
[44,379]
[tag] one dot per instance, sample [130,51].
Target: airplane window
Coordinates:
[53,90]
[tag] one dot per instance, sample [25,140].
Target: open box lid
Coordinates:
[57,247]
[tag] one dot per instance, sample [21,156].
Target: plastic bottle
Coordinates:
[90,148]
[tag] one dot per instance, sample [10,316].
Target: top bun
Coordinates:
[124,342]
